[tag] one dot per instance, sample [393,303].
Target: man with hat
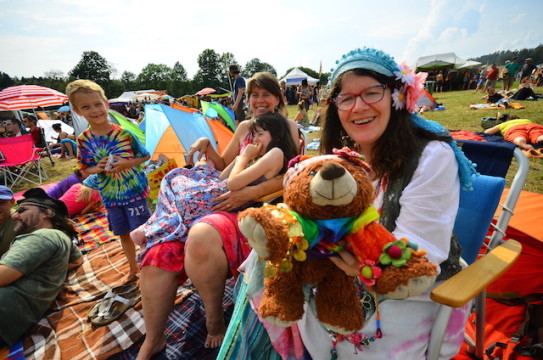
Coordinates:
[7,233]
[239,93]
[34,268]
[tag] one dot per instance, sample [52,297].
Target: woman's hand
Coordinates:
[234,199]
[346,262]
[199,146]
[252,151]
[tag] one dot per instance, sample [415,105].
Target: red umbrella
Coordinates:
[29,97]
[206,91]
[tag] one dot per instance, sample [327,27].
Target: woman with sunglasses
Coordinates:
[417,171]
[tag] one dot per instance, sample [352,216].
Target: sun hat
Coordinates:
[365,58]
[5,193]
[39,198]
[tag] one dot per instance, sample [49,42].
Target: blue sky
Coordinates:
[38,36]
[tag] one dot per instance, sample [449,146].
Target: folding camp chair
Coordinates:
[474,218]
[21,161]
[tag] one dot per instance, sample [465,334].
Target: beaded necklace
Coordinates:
[359,340]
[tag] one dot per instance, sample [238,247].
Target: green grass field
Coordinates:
[456,116]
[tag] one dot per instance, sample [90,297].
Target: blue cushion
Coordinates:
[475,214]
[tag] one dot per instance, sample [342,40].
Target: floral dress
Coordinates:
[185,196]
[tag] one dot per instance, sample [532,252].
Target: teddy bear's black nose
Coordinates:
[331,171]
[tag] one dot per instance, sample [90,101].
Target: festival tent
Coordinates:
[50,134]
[214,109]
[172,130]
[468,64]
[438,61]
[80,124]
[427,100]
[295,77]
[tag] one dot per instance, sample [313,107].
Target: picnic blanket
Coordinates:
[93,230]
[65,333]
[512,106]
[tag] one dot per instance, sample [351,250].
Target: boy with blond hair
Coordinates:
[115,157]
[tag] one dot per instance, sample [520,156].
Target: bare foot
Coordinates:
[150,348]
[131,277]
[215,333]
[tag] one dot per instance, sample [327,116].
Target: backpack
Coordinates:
[505,73]
[519,330]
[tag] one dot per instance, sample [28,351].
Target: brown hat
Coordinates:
[38,197]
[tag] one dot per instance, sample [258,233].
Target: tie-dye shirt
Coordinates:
[115,189]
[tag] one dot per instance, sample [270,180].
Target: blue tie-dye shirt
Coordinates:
[123,187]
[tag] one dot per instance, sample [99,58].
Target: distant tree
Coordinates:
[500,57]
[255,65]
[128,78]
[56,79]
[5,80]
[209,73]
[155,76]
[227,59]
[92,66]
[178,72]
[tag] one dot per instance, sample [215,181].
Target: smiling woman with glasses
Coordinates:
[417,171]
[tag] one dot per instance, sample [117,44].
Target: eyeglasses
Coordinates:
[21,210]
[369,95]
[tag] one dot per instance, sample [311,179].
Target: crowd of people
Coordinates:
[193,233]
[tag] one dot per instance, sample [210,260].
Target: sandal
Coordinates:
[114,307]
[532,153]
[105,303]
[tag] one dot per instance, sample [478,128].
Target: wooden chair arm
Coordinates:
[465,285]
[270,196]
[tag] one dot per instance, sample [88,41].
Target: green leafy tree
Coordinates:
[128,79]
[56,80]
[92,66]
[155,76]
[178,72]
[209,74]
[255,65]
[5,81]
[227,59]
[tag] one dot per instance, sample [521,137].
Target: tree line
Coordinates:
[212,72]
[499,57]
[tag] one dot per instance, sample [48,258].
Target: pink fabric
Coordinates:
[70,196]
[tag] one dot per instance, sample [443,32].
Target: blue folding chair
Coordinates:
[475,215]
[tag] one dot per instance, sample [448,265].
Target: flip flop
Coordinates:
[532,153]
[105,303]
[118,305]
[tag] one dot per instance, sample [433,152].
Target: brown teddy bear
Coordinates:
[327,208]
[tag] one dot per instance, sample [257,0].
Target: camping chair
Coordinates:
[44,146]
[21,161]
[475,214]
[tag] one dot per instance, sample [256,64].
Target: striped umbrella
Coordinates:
[29,97]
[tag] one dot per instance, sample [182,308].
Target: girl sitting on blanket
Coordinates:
[185,194]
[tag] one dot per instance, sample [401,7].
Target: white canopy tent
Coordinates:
[437,61]
[295,77]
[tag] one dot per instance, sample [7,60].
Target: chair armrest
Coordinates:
[464,286]
[271,196]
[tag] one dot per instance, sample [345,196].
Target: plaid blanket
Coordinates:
[186,330]
[93,229]
[64,332]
